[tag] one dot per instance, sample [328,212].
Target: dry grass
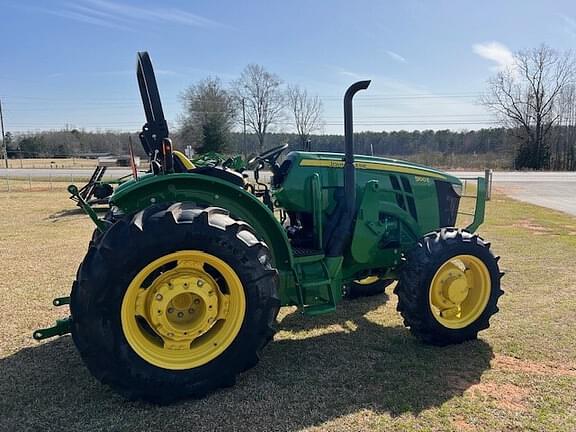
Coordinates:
[38,184]
[357,369]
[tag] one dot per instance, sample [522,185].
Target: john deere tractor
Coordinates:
[183,279]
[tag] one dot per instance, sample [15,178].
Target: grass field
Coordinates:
[357,369]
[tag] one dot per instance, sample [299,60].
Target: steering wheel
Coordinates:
[269,156]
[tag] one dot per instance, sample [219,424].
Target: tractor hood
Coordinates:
[336,160]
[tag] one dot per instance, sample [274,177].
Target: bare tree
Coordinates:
[307,112]
[525,97]
[263,98]
[563,154]
[209,112]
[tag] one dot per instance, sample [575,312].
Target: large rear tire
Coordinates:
[174,302]
[449,287]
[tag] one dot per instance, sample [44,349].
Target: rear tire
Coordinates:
[116,259]
[417,279]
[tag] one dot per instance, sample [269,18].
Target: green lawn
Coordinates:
[357,369]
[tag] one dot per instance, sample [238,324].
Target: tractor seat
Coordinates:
[221,173]
[183,164]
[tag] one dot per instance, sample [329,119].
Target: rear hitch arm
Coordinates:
[61,327]
[100,224]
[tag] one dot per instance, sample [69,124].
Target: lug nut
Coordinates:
[180,314]
[158,297]
[197,301]
[200,282]
[170,310]
[190,311]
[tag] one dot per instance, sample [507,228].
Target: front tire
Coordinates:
[449,287]
[174,302]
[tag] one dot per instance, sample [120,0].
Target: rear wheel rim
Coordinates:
[183,310]
[459,291]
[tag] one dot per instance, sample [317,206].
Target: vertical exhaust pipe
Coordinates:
[349,172]
[341,229]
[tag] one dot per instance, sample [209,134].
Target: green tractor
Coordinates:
[184,277]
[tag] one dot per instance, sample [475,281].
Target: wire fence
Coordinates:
[50,183]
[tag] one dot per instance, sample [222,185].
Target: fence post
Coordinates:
[50,180]
[30,182]
[8,182]
[488,178]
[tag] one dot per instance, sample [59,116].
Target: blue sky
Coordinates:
[71,62]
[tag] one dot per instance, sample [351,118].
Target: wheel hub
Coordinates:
[459,291]
[455,288]
[183,308]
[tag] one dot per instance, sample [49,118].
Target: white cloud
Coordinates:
[496,52]
[396,56]
[172,15]
[126,17]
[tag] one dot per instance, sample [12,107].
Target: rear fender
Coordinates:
[209,191]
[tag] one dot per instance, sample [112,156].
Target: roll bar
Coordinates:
[156,129]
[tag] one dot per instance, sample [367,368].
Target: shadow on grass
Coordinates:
[76,211]
[300,382]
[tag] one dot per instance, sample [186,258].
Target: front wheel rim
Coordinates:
[183,310]
[459,291]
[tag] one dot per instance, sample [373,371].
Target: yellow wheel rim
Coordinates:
[183,310]
[368,280]
[460,291]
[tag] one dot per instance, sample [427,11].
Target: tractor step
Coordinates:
[318,309]
[306,252]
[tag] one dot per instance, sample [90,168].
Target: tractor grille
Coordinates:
[448,202]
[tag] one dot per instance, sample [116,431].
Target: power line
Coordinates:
[338,97]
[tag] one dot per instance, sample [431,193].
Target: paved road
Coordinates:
[556,190]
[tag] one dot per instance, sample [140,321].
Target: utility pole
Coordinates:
[244,132]
[5,151]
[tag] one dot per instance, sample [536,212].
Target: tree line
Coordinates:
[66,143]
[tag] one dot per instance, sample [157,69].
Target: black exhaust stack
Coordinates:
[339,233]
